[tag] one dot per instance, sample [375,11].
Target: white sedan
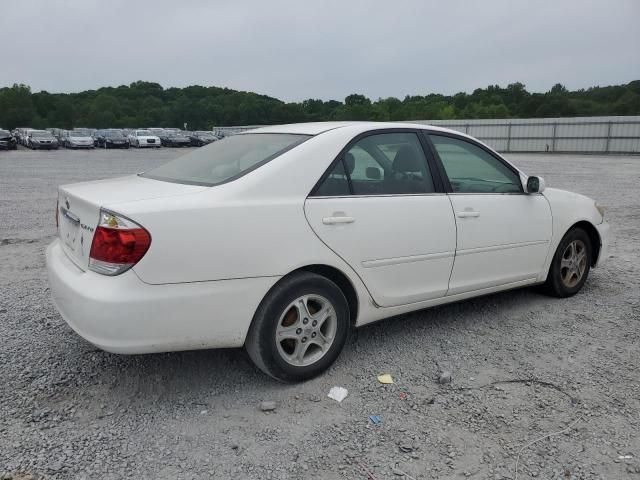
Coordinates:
[281,239]
[144,138]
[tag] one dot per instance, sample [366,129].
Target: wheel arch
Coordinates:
[340,279]
[594,236]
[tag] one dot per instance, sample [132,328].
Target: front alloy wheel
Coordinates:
[573,263]
[299,328]
[570,265]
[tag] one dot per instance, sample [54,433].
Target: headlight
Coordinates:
[600,209]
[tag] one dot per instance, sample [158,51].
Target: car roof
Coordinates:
[315,128]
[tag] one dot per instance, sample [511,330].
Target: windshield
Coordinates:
[226,159]
[4,133]
[143,132]
[80,133]
[113,134]
[41,134]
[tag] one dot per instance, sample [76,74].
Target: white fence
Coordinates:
[565,135]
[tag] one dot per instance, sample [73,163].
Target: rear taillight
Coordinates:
[118,244]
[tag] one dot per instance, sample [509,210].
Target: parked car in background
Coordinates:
[41,140]
[144,138]
[59,133]
[23,135]
[7,140]
[158,132]
[357,222]
[77,138]
[174,139]
[96,136]
[113,139]
[201,138]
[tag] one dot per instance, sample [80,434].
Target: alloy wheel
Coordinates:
[573,263]
[306,330]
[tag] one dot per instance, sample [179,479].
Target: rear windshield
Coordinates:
[227,159]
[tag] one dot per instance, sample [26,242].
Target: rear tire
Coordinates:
[570,265]
[299,328]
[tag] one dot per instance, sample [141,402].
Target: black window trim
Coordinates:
[438,185]
[426,133]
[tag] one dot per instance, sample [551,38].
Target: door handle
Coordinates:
[337,220]
[468,214]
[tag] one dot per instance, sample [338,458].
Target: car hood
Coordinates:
[80,139]
[146,137]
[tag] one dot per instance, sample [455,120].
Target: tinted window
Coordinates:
[227,159]
[336,184]
[383,164]
[473,170]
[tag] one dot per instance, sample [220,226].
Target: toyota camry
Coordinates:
[283,238]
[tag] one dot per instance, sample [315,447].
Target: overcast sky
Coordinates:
[301,49]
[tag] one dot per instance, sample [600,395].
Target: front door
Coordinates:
[379,210]
[503,233]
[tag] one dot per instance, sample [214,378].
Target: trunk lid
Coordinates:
[79,207]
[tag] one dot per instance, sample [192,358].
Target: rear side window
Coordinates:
[227,159]
[380,164]
[470,169]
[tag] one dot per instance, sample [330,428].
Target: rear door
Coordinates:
[381,209]
[503,234]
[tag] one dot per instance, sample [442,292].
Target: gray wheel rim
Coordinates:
[306,330]
[573,263]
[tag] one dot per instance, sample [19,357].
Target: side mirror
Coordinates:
[373,173]
[535,185]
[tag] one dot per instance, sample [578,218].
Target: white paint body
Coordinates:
[142,140]
[216,251]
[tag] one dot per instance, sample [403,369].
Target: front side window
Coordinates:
[381,164]
[227,159]
[471,169]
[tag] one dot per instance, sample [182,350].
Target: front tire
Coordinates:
[570,265]
[299,328]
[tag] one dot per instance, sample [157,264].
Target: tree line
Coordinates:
[149,104]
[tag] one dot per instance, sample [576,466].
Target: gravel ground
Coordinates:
[523,366]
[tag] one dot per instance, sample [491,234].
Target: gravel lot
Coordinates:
[523,366]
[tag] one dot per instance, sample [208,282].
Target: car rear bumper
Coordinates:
[603,231]
[122,314]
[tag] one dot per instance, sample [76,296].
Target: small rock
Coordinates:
[445,377]
[406,448]
[268,406]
